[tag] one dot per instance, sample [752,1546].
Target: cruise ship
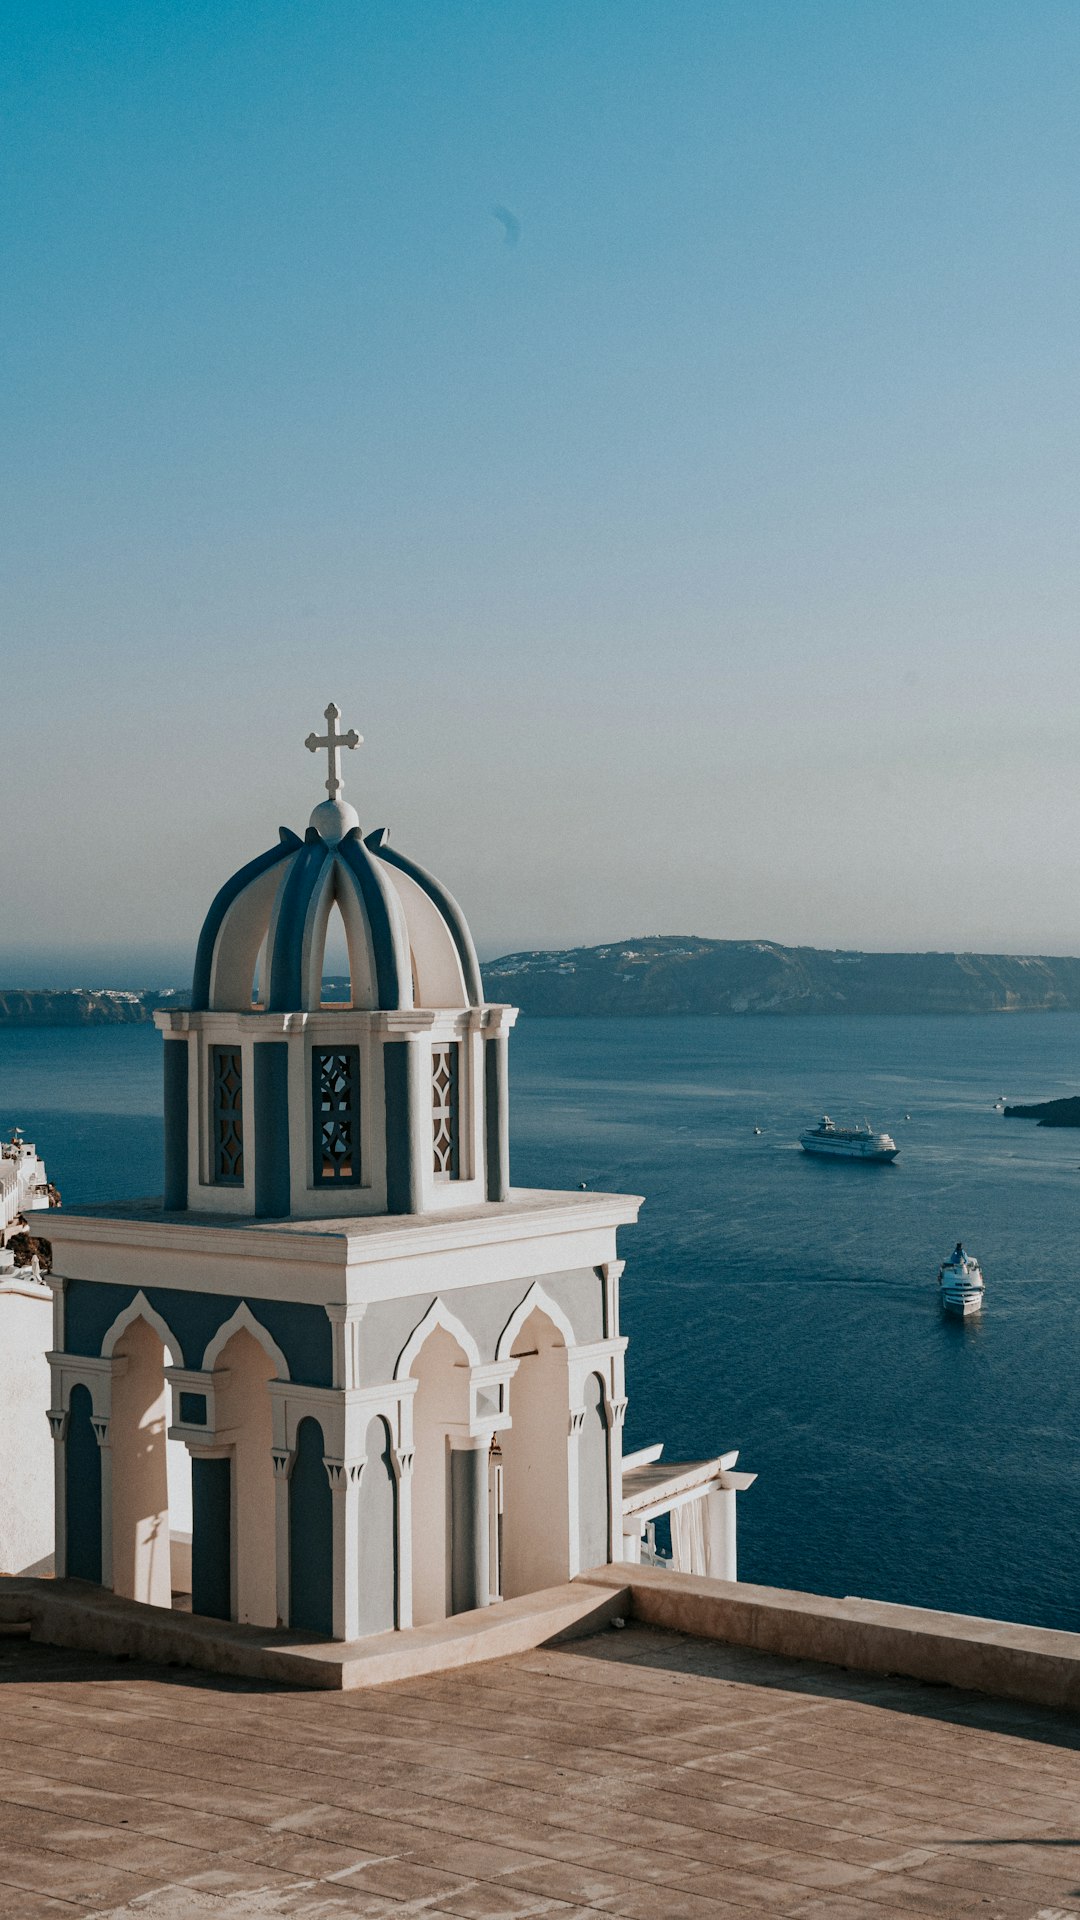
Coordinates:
[848,1143]
[961,1282]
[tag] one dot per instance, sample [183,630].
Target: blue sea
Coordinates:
[775,1303]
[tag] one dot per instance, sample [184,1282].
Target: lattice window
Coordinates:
[227,1106]
[444,1108]
[335,1109]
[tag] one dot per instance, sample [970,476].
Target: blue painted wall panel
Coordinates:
[302,1332]
[270,1089]
[211,1538]
[83,1490]
[176,1125]
[311,1534]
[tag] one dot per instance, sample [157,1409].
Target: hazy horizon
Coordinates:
[657,430]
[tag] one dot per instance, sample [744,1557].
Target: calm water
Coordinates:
[773,1302]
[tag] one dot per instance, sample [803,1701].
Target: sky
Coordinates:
[654,422]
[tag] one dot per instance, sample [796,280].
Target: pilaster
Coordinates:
[402,1459]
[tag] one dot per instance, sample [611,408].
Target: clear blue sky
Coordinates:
[707,561]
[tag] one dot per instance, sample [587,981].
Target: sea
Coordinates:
[774,1303]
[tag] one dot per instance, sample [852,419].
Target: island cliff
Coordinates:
[680,974]
[684,974]
[1049,1113]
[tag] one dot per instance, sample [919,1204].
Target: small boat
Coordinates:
[961,1282]
[848,1143]
[757,1129]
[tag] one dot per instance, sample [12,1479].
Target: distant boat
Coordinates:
[848,1143]
[757,1129]
[961,1282]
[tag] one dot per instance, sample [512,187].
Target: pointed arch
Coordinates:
[244,1320]
[437,1315]
[536,1300]
[140,1309]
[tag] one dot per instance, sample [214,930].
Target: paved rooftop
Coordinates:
[639,1773]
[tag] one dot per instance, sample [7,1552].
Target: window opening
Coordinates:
[444,1108]
[335,987]
[228,1114]
[335,1107]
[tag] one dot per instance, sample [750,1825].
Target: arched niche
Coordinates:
[535,1538]
[311,1533]
[243,1412]
[441,1366]
[244,1319]
[141,1529]
[151,1474]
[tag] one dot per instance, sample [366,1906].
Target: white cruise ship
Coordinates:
[848,1143]
[961,1282]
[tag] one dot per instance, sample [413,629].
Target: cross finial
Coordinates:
[332,740]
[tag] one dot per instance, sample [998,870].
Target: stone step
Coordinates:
[73,1613]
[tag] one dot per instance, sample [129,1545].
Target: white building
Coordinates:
[389,1384]
[26,1510]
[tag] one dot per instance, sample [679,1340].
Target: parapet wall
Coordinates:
[871,1636]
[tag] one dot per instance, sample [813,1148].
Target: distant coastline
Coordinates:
[683,974]
[678,974]
[82,1006]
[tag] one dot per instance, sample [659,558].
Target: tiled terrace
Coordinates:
[637,1773]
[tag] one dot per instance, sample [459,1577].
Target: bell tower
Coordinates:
[283,1104]
[342,1378]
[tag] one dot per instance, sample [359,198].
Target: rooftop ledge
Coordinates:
[1000,1657]
[995,1657]
[530,1212]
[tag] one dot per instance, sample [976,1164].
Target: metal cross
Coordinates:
[332,740]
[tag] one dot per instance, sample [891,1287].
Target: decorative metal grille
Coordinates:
[444,1108]
[228,1112]
[335,1106]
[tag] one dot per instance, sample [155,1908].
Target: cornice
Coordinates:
[349,1243]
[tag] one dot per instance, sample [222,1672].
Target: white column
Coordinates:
[720,1551]
[403,1466]
[344,1477]
[100,1424]
[631,1541]
[576,1420]
[615,1433]
[58,1425]
[283,1461]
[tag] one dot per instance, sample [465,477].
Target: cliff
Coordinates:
[81,1006]
[670,974]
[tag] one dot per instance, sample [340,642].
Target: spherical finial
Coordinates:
[333,819]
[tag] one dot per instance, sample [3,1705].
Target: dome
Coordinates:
[407,939]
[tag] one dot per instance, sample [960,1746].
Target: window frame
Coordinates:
[321,1180]
[220,1111]
[446,1114]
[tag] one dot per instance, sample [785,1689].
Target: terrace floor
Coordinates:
[638,1773]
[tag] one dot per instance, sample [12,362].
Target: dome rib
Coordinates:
[285,952]
[447,906]
[389,940]
[222,901]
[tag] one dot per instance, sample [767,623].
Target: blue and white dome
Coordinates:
[263,941]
